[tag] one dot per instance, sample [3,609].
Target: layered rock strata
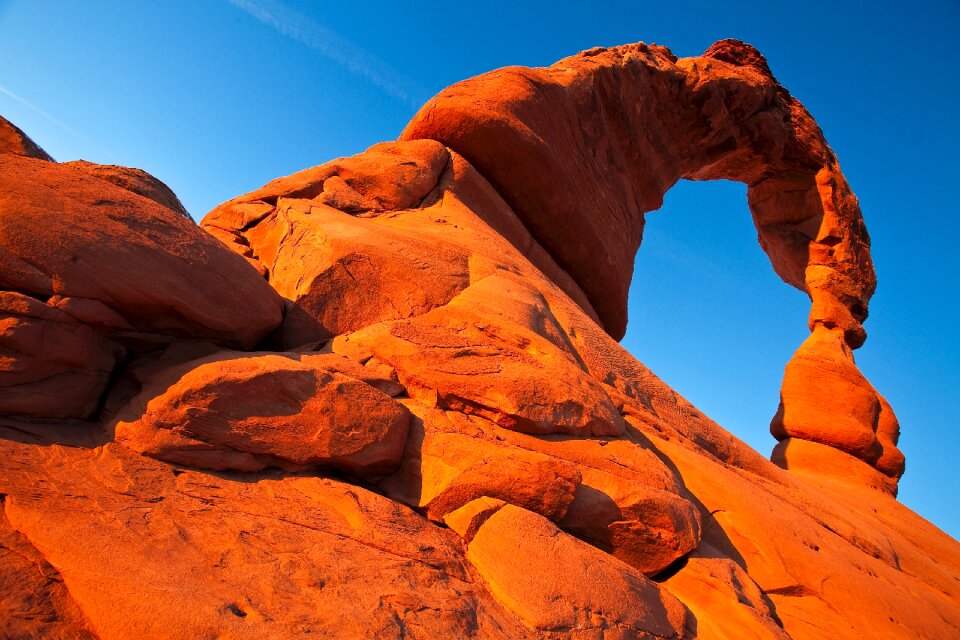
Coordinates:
[383,397]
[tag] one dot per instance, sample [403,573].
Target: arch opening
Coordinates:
[707,312]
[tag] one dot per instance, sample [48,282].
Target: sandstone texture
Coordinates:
[383,397]
[248,412]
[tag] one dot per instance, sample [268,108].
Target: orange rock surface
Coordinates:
[383,397]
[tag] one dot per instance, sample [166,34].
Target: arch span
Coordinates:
[582,149]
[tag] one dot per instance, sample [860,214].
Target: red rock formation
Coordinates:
[391,410]
[826,400]
[89,270]
[247,412]
[135,180]
[596,140]
[16,142]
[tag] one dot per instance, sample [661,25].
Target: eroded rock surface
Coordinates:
[383,397]
[246,412]
[90,270]
[135,180]
[583,151]
[516,552]
[14,141]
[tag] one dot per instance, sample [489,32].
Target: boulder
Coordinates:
[315,235]
[472,355]
[245,412]
[645,527]
[560,587]
[444,468]
[147,263]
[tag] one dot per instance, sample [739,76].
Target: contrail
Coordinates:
[36,109]
[299,27]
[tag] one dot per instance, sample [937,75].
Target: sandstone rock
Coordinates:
[34,603]
[91,312]
[582,151]
[135,180]
[148,551]
[805,456]
[467,519]
[373,372]
[614,493]
[313,236]
[561,587]
[387,177]
[318,268]
[151,266]
[408,271]
[825,399]
[891,461]
[314,248]
[724,601]
[444,469]
[648,404]
[467,357]
[232,411]
[644,527]
[16,142]
[835,558]
[51,365]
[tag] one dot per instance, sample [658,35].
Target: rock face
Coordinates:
[90,270]
[135,180]
[243,412]
[383,397]
[14,141]
[585,165]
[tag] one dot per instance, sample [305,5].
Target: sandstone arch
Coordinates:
[415,300]
[595,141]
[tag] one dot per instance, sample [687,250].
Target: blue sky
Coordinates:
[217,97]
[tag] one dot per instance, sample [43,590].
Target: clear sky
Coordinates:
[217,97]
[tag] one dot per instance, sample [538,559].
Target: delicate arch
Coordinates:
[582,149]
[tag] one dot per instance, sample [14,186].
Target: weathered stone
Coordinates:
[561,587]
[51,365]
[150,265]
[445,468]
[149,551]
[645,527]
[725,602]
[16,142]
[415,279]
[233,411]
[582,151]
[825,399]
[134,180]
[508,367]
[805,456]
